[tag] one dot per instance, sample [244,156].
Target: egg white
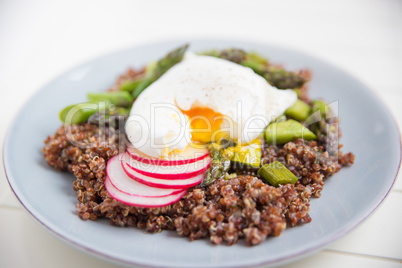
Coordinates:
[157,126]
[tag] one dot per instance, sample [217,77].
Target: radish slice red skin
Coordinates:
[160,183]
[154,161]
[138,201]
[177,190]
[123,183]
[178,176]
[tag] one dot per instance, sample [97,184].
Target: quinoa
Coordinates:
[67,147]
[243,207]
[225,211]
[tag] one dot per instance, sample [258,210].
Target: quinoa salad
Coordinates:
[245,191]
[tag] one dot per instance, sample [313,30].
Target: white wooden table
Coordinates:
[41,39]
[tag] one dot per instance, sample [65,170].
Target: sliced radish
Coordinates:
[161,183]
[190,155]
[168,172]
[141,201]
[119,179]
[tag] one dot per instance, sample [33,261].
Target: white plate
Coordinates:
[347,199]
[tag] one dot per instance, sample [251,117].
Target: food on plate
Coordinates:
[201,99]
[154,71]
[248,155]
[222,144]
[276,174]
[299,111]
[285,131]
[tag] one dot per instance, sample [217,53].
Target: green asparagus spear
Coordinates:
[281,118]
[212,53]
[326,127]
[131,85]
[257,58]
[298,92]
[109,117]
[256,62]
[257,67]
[319,105]
[121,111]
[299,111]
[276,76]
[234,55]
[276,174]
[282,79]
[79,113]
[283,132]
[160,68]
[252,60]
[118,98]
[219,167]
[146,82]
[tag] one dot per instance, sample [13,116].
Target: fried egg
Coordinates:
[202,99]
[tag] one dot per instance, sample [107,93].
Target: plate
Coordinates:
[347,199]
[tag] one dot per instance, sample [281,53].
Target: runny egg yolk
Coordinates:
[205,123]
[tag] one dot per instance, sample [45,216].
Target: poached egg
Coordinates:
[202,99]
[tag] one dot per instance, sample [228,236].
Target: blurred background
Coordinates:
[42,39]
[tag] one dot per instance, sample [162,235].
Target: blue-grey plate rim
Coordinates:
[161,48]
